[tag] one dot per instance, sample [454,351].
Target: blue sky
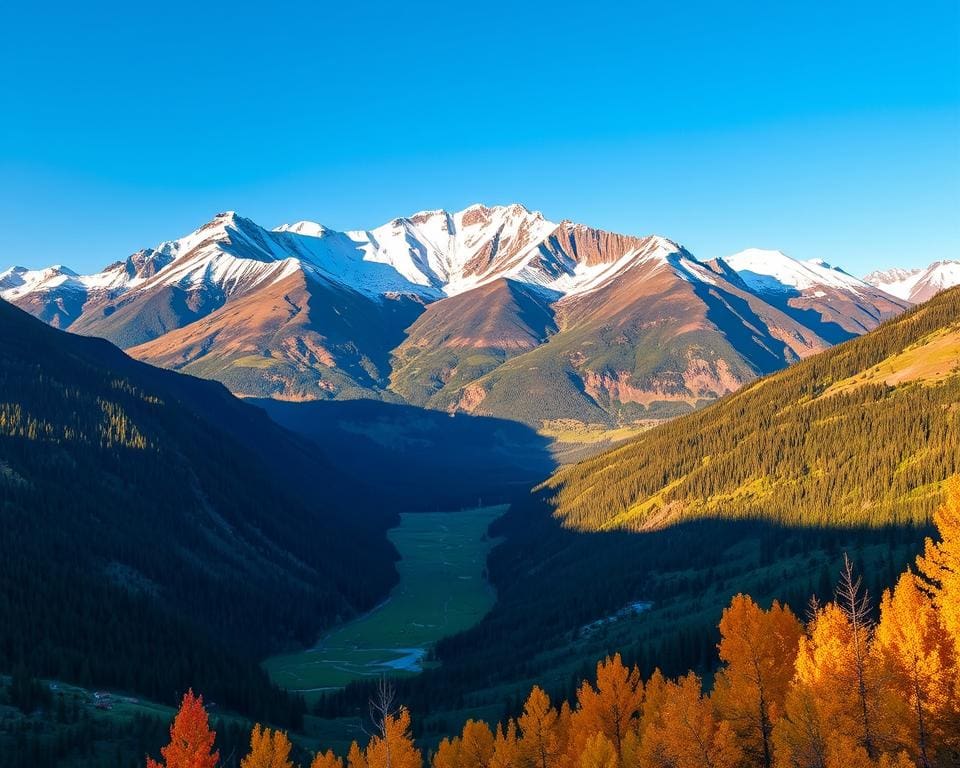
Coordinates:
[829,130]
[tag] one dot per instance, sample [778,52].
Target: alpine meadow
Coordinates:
[508,386]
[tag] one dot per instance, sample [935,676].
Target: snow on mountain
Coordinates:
[437,253]
[429,255]
[897,282]
[917,285]
[19,281]
[767,270]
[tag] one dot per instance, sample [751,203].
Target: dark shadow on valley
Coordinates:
[553,583]
[421,460]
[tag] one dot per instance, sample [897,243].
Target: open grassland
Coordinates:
[930,360]
[442,590]
[573,440]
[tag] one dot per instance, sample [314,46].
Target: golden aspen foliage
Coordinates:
[649,751]
[447,754]
[918,658]
[268,749]
[758,649]
[598,752]
[940,564]
[506,748]
[541,742]
[472,749]
[843,751]
[476,745]
[613,706]
[826,697]
[394,749]
[326,759]
[355,757]
[687,733]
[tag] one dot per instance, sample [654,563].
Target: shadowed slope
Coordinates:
[151,515]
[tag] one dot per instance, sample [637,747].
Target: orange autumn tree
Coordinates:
[191,740]
[474,748]
[541,742]
[833,693]
[394,748]
[506,749]
[686,732]
[268,749]
[612,708]
[326,759]
[918,657]
[758,649]
[598,752]
[939,569]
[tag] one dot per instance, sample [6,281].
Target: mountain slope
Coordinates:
[458,340]
[659,336]
[860,434]
[146,510]
[917,285]
[493,310]
[834,304]
[298,338]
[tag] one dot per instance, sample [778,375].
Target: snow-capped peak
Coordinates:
[308,228]
[919,284]
[772,270]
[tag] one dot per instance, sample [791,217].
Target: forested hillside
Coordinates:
[158,533]
[839,684]
[860,434]
[844,452]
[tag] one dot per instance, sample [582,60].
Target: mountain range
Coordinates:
[917,285]
[489,310]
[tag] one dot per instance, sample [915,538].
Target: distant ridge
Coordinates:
[493,310]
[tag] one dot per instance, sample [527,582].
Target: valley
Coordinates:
[480,385]
[442,590]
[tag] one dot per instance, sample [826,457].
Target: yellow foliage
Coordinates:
[326,760]
[758,649]
[395,749]
[268,749]
[613,707]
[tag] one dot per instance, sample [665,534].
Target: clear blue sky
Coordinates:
[825,129]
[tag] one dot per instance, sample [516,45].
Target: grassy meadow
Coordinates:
[442,590]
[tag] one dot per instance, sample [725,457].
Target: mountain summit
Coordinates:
[492,310]
[917,285]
